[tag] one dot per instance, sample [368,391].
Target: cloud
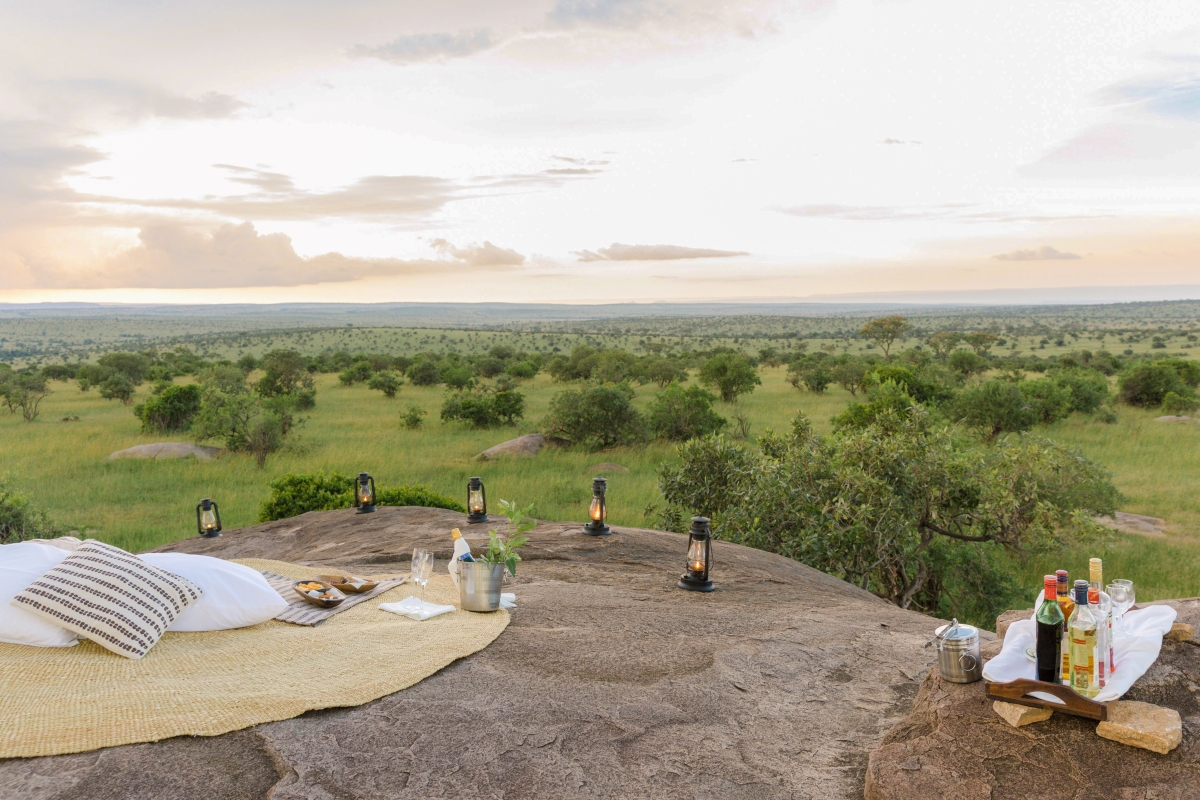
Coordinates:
[866,213]
[581,162]
[890,140]
[273,182]
[128,100]
[1041,254]
[480,255]
[743,160]
[175,256]
[652,252]
[1171,96]
[604,13]
[418,47]
[574,171]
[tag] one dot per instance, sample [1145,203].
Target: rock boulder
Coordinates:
[528,445]
[167,450]
[609,682]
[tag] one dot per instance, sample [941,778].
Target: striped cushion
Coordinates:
[109,596]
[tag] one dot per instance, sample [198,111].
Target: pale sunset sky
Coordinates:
[593,150]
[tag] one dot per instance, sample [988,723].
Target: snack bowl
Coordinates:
[347,583]
[319,593]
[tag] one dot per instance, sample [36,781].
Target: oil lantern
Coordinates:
[208,519]
[699,557]
[364,494]
[476,501]
[598,512]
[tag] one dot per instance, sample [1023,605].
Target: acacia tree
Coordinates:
[25,391]
[730,374]
[942,342]
[981,342]
[896,507]
[884,331]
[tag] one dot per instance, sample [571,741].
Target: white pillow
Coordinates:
[235,596]
[20,565]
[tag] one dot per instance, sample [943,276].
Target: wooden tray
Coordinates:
[339,582]
[337,601]
[1075,704]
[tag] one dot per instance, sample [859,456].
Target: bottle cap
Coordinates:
[1095,567]
[1062,573]
[1093,596]
[1049,586]
[1081,593]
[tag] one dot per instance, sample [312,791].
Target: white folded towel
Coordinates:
[508,600]
[416,609]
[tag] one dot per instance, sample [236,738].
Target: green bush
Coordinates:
[413,417]
[357,372]
[967,363]
[424,373]
[293,495]
[1146,385]
[171,410]
[888,397]
[1048,400]
[994,407]
[20,521]
[678,414]
[731,374]
[1179,404]
[387,382]
[484,408]
[1088,388]
[596,417]
[118,386]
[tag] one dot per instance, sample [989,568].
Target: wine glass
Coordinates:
[426,572]
[418,559]
[1121,592]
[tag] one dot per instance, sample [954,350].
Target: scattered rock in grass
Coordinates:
[1175,418]
[72,418]
[528,445]
[1143,725]
[1018,715]
[167,450]
[1135,523]
[605,466]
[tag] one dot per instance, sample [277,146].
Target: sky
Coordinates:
[594,150]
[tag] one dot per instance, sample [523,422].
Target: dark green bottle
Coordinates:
[1050,623]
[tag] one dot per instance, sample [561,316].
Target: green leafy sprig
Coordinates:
[504,551]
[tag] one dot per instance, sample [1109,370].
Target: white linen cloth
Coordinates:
[416,609]
[1133,653]
[508,600]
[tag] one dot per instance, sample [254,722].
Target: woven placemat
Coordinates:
[72,699]
[302,612]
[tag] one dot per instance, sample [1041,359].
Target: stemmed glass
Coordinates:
[1123,598]
[422,568]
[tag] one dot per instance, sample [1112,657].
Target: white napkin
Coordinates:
[1133,653]
[508,600]
[416,609]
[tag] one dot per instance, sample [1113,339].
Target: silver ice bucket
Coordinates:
[479,585]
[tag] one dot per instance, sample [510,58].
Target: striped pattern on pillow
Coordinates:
[111,597]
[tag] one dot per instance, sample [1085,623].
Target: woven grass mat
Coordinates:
[73,699]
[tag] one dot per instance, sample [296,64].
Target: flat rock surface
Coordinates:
[609,682]
[1135,523]
[954,745]
[165,450]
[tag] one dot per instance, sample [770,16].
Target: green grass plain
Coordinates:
[137,504]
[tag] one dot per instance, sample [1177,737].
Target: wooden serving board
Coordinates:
[1075,704]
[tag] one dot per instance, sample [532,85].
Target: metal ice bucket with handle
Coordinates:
[958,652]
[479,585]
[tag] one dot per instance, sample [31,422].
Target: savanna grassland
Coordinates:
[138,504]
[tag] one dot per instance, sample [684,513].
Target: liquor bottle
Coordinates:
[1067,605]
[1050,625]
[1096,579]
[1100,659]
[1081,630]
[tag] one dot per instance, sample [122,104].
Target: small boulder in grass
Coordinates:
[1018,715]
[1143,725]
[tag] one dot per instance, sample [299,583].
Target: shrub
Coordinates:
[59,372]
[19,520]
[458,376]
[424,373]
[356,373]
[132,365]
[1048,400]
[1088,389]
[387,382]
[484,408]
[1189,371]
[24,391]
[413,417]
[731,374]
[665,371]
[1146,385]
[522,369]
[171,410]
[246,422]
[284,372]
[994,407]
[871,506]
[117,386]
[596,417]
[1179,404]
[966,363]
[293,495]
[679,414]
[888,397]
[489,367]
